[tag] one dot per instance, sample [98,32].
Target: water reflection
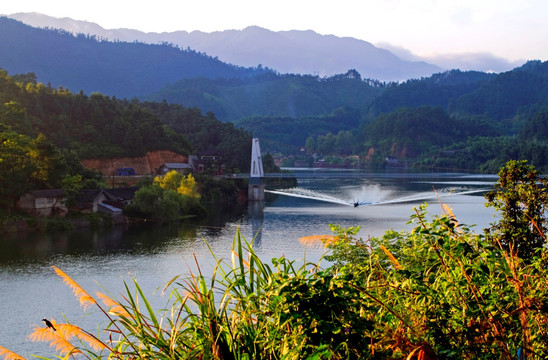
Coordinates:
[143,238]
[255,213]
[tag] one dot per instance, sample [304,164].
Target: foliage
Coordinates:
[175,181]
[93,126]
[437,291]
[28,164]
[276,96]
[206,134]
[99,126]
[169,198]
[446,292]
[18,167]
[520,195]
[411,132]
[506,95]
[439,90]
[268,164]
[536,127]
[344,143]
[219,190]
[289,134]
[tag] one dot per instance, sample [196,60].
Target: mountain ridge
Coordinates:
[121,69]
[293,51]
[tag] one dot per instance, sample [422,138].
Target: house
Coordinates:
[117,199]
[208,161]
[111,201]
[89,200]
[43,202]
[182,168]
[123,195]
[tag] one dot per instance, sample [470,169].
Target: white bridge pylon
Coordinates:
[256,160]
[256,173]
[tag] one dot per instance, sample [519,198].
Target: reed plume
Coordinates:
[313,240]
[114,307]
[69,331]
[10,355]
[85,299]
[55,340]
[391,257]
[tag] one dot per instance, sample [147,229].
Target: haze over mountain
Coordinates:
[297,52]
[300,52]
[122,69]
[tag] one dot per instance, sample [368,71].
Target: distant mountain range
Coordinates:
[295,52]
[288,52]
[119,69]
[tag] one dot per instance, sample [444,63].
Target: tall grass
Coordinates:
[439,291]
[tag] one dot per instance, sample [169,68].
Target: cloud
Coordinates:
[479,61]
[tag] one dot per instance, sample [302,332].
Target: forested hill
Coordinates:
[99,126]
[454,120]
[113,68]
[496,96]
[273,95]
[437,90]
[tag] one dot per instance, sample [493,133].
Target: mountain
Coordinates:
[441,90]
[292,52]
[522,91]
[82,62]
[271,95]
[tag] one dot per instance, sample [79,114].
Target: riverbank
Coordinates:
[24,224]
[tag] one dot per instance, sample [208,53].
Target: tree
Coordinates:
[187,187]
[181,184]
[71,186]
[520,195]
[168,198]
[18,168]
[269,165]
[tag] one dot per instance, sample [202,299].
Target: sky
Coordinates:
[511,29]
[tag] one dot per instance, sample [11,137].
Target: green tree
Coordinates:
[71,186]
[520,195]
[18,167]
[168,198]
[269,165]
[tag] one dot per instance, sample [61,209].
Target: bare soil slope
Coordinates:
[143,165]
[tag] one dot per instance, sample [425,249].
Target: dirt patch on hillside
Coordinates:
[142,165]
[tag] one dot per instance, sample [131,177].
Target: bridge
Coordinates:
[265,175]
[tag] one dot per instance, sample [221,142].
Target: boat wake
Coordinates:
[372,195]
[309,194]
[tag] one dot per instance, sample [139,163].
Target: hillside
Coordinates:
[113,68]
[521,91]
[142,165]
[288,52]
[103,127]
[272,95]
[437,90]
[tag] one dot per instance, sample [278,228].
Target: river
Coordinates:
[153,254]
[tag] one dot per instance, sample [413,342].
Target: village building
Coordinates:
[44,203]
[53,202]
[182,168]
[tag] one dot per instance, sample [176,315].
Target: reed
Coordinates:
[10,355]
[85,299]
